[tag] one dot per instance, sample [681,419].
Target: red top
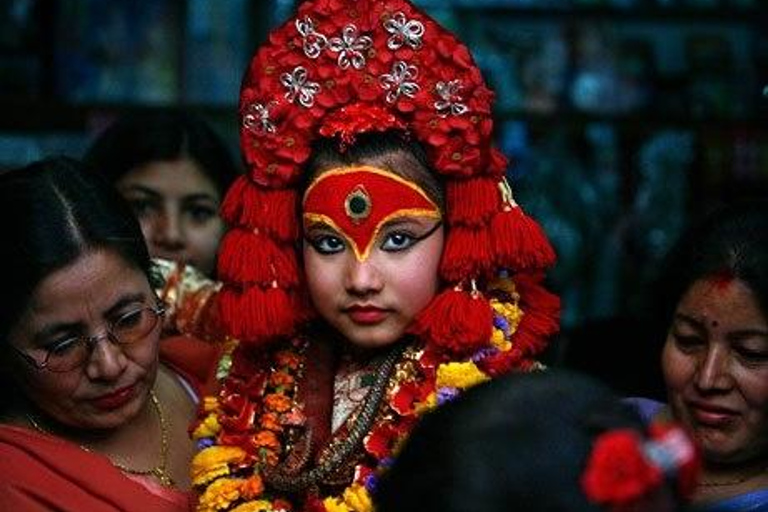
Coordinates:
[40,473]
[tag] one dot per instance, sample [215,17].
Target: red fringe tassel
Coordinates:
[457,321]
[472,202]
[257,316]
[541,315]
[467,252]
[519,243]
[270,210]
[249,258]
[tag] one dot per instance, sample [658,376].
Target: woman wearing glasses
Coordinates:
[91,419]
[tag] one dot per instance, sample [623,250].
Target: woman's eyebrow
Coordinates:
[689,320]
[50,330]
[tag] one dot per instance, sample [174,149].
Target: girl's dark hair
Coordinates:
[731,241]
[326,153]
[161,135]
[519,442]
[51,213]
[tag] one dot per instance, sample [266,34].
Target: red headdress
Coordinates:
[345,67]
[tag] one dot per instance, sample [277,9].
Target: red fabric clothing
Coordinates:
[43,473]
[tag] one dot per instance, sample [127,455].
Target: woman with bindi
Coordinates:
[715,356]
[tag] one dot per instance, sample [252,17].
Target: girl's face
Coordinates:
[112,384]
[372,247]
[177,206]
[715,364]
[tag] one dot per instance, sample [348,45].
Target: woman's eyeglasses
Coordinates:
[131,327]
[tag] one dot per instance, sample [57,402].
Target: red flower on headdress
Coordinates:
[456,158]
[358,118]
[617,470]
[684,454]
[329,7]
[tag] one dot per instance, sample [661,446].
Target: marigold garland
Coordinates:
[228,476]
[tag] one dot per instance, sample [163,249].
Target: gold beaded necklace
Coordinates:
[160,471]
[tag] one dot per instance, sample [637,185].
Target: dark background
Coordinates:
[624,119]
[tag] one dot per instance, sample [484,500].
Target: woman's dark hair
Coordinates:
[161,135]
[731,242]
[519,442]
[51,213]
[326,153]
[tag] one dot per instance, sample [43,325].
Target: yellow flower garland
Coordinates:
[213,465]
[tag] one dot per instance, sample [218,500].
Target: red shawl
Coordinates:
[43,473]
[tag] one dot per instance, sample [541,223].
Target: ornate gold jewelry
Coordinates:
[358,204]
[341,449]
[160,471]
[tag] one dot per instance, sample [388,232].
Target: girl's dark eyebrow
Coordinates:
[200,196]
[317,224]
[413,219]
[141,189]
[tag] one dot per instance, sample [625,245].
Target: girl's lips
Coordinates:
[115,399]
[366,315]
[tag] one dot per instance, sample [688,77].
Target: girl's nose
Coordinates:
[363,277]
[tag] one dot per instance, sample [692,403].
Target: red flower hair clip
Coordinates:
[623,467]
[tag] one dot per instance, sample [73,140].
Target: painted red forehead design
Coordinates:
[358,201]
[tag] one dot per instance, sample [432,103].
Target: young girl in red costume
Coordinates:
[377,263]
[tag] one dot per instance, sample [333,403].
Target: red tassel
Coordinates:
[541,315]
[459,321]
[249,258]
[257,316]
[232,204]
[467,253]
[519,243]
[471,202]
[497,164]
[270,210]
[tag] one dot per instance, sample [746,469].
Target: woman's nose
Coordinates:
[713,370]
[107,360]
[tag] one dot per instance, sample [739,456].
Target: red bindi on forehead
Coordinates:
[722,281]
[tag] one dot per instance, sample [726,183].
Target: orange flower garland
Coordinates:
[252,423]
